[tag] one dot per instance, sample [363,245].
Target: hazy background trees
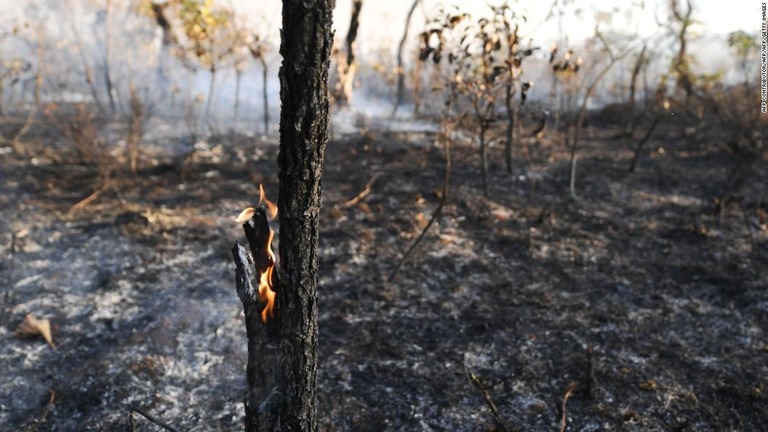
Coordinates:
[188,57]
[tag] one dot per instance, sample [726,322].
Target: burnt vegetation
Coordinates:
[536,231]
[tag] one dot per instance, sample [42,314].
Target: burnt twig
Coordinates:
[362,194]
[443,197]
[568,393]
[642,142]
[149,418]
[410,250]
[92,197]
[500,423]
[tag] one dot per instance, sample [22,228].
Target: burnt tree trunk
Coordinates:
[238,81]
[265,93]
[107,42]
[211,89]
[629,129]
[347,70]
[512,114]
[306,50]
[400,68]
[282,349]
[681,62]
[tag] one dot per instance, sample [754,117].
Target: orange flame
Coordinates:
[271,207]
[245,215]
[266,289]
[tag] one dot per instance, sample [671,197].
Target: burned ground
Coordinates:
[634,297]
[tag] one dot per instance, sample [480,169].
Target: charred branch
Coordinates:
[149,418]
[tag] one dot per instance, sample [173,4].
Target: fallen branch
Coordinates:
[568,393]
[90,198]
[362,194]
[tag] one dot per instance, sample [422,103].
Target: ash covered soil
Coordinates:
[631,309]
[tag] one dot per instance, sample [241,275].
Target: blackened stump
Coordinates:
[264,361]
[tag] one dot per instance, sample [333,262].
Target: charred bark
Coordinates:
[306,50]
[282,348]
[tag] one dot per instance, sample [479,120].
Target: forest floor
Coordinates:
[630,309]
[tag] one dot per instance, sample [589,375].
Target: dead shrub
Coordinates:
[80,129]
